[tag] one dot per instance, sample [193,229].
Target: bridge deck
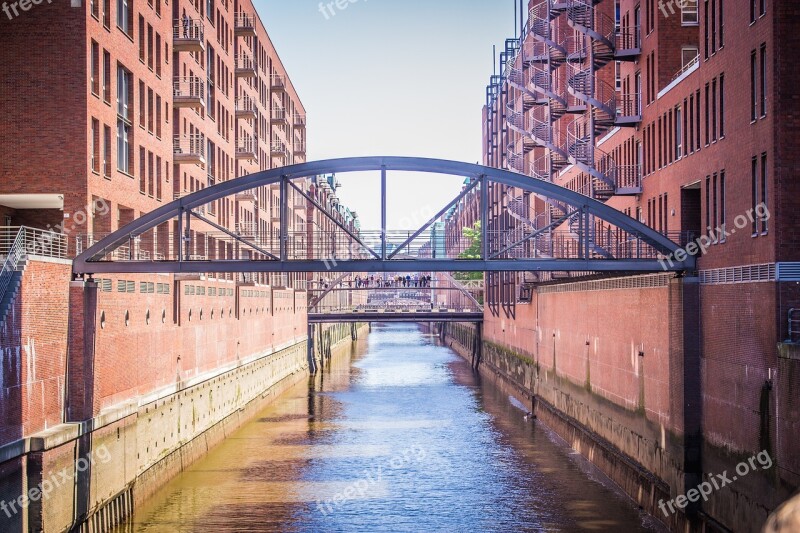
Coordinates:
[395,316]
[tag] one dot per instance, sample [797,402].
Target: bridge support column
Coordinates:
[312,359]
[477,346]
[80,363]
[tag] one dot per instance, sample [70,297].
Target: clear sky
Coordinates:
[391,77]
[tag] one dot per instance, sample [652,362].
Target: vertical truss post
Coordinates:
[187,237]
[180,237]
[383,213]
[284,222]
[586,231]
[484,217]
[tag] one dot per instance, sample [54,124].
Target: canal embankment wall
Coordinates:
[113,387]
[619,369]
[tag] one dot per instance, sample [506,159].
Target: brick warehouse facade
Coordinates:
[111,109]
[679,115]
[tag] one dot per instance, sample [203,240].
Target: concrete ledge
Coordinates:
[788,350]
[55,436]
[12,450]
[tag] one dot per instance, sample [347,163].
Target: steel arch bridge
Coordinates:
[578,234]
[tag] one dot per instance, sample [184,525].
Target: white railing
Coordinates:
[244,21]
[193,144]
[278,113]
[35,241]
[245,104]
[244,61]
[10,265]
[246,145]
[188,87]
[188,29]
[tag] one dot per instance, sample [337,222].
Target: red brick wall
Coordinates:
[33,343]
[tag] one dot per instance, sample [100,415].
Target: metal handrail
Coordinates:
[794,320]
[36,241]
[188,87]
[189,29]
[11,263]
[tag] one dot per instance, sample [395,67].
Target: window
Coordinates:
[106,77]
[158,116]
[124,92]
[714,206]
[752,11]
[123,147]
[158,55]
[678,133]
[158,178]
[125,16]
[141,104]
[705,29]
[753,86]
[638,92]
[107,151]
[637,23]
[722,105]
[721,24]
[158,8]
[713,27]
[708,203]
[763,80]
[764,219]
[94,7]
[754,192]
[141,38]
[697,115]
[762,9]
[150,113]
[95,69]
[150,47]
[142,171]
[689,12]
[708,130]
[714,110]
[722,202]
[688,55]
[689,126]
[95,147]
[150,175]
[107,14]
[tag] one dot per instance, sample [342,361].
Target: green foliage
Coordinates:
[473,251]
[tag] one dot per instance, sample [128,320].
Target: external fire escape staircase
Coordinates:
[599,107]
[14,264]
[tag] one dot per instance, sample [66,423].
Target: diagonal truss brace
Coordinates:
[536,233]
[435,217]
[335,283]
[325,212]
[231,234]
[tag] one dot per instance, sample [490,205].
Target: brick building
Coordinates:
[679,115]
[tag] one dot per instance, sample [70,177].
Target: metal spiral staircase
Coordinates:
[548,94]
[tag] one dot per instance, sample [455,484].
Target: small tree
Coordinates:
[473,251]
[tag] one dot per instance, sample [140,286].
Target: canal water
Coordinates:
[398,435]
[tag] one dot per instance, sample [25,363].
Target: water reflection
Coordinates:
[397,436]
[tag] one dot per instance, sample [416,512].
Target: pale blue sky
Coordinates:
[391,77]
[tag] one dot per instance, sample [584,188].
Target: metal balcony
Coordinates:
[278,83]
[246,149]
[244,25]
[246,196]
[245,107]
[299,147]
[245,66]
[279,115]
[189,149]
[188,92]
[247,229]
[299,120]
[278,149]
[188,36]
